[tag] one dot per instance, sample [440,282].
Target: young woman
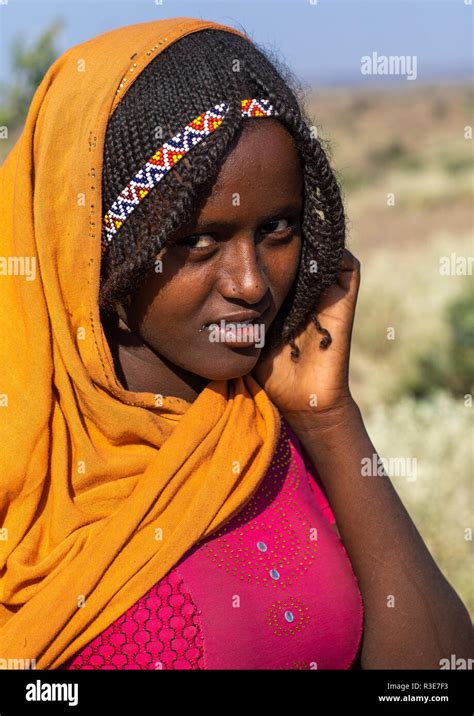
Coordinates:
[180,434]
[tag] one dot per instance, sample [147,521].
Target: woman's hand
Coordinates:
[318,383]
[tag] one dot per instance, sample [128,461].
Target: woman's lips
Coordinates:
[237,334]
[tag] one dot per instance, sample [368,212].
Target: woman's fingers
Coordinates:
[349,274]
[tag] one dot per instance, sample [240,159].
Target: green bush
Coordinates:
[451,368]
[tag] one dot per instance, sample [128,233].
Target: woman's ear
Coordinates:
[121,309]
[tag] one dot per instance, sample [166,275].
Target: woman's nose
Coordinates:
[241,274]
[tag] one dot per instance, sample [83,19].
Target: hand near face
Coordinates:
[319,381]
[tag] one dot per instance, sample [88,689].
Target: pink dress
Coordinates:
[272,589]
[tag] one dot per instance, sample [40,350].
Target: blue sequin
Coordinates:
[262,546]
[274,574]
[289,616]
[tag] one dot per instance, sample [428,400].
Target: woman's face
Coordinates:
[239,254]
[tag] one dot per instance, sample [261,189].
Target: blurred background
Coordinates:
[402,150]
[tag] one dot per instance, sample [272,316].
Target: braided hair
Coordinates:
[187,78]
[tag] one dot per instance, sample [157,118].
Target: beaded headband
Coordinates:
[164,159]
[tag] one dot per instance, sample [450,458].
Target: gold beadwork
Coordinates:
[135,64]
[280,606]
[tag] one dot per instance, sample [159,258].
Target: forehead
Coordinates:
[264,159]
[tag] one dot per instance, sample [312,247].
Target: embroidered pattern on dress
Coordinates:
[249,551]
[161,631]
[286,617]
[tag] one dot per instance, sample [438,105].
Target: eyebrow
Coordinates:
[288,209]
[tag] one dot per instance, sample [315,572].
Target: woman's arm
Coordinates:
[413,617]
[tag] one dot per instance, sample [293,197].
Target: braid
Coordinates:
[167,95]
[323,227]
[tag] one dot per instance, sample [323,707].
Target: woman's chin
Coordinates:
[236,363]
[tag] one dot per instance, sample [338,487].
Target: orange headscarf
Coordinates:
[102,489]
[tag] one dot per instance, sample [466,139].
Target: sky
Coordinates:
[322,41]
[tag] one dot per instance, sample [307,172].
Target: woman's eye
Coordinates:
[197,241]
[277,226]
